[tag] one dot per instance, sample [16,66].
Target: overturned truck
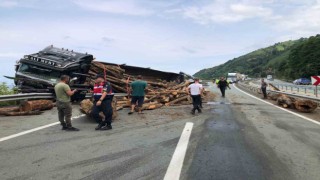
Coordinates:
[39,72]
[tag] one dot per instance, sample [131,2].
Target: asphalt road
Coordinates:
[236,137]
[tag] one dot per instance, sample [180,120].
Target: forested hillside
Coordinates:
[286,60]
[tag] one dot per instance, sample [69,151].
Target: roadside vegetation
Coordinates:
[5,90]
[284,60]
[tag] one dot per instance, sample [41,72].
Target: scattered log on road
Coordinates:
[23,113]
[4,110]
[36,105]
[86,108]
[273,96]
[306,106]
[285,101]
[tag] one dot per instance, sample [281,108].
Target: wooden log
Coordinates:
[86,106]
[184,84]
[23,113]
[177,100]
[284,101]
[306,106]
[151,106]
[4,110]
[151,99]
[274,96]
[36,105]
[114,108]
[273,87]
[119,88]
[119,108]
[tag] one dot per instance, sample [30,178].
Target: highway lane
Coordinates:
[248,139]
[139,146]
[237,137]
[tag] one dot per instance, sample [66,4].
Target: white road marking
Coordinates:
[35,129]
[175,166]
[296,114]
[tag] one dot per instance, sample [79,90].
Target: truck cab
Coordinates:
[39,72]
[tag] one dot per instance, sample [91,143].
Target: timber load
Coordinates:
[164,89]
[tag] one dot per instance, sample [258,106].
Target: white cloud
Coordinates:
[224,12]
[127,7]
[302,21]
[8,3]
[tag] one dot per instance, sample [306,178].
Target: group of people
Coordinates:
[102,101]
[196,89]
[103,96]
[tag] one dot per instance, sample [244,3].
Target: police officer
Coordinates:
[222,85]
[103,95]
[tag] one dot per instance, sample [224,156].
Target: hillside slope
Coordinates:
[286,60]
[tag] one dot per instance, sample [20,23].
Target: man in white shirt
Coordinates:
[195,90]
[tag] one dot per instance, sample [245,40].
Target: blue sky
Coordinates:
[169,35]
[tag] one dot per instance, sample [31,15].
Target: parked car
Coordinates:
[302,81]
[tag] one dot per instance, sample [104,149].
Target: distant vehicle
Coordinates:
[302,81]
[269,77]
[232,78]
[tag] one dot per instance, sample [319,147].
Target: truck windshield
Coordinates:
[39,72]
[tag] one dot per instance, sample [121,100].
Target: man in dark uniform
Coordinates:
[223,84]
[103,95]
[264,88]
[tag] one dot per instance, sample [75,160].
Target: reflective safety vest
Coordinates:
[99,89]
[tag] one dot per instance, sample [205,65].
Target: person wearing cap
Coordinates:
[138,88]
[102,95]
[195,90]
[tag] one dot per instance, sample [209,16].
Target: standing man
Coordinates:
[63,94]
[195,90]
[223,84]
[264,88]
[138,88]
[102,95]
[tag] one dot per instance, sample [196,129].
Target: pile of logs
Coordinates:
[34,107]
[158,92]
[301,105]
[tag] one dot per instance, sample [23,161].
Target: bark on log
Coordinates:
[306,106]
[36,105]
[177,100]
[182,85]
[285,101]
[9,109]
[273,87]
[23,113]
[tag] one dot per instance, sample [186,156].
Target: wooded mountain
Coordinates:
[285,60]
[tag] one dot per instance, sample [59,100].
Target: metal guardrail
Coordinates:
[28,96]
[301,89]
[258,90]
